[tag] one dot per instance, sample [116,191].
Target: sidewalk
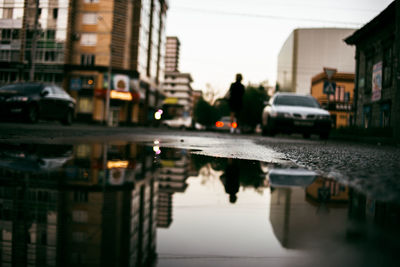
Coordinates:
[348,135]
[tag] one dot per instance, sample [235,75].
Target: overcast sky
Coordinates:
[222,37]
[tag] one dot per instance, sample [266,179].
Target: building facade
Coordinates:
[179,94]
[33,40]
[172,54]
[123,39]
[177,87]
[307,51]
[89,47]
[173,173]
[377,93]
[336,96]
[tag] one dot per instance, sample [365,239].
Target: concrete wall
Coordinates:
[285,65]
[319,48]
[307,51]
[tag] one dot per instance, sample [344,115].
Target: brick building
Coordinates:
[377,93]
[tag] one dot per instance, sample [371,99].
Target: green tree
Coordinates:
[222,107]
[205,113]
[253,104]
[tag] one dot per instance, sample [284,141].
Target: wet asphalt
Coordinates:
[372,168]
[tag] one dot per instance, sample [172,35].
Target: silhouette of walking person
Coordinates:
[230,179]
[236,92]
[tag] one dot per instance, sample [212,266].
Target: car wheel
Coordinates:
[33,114]
[324,136]
[67,120]
[267,130]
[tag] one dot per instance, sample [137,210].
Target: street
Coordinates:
[217,199]
[372,167]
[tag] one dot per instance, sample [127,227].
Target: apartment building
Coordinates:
[90,47]
[123,39]
[172,54]
[33,40]
[178,94]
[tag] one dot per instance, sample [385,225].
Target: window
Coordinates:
[89,19]
[89,39]
[83,151]
[7,13]
[4,55]
[368,76]
[339,95]
[79,216]
[79,237]
[51,34]
[367,116]
[50,56]
[15,34]
[85,105]
[5,34]
[55,13]
[88,82]
[387,66]
[81,196]
[87,59]
[385,115]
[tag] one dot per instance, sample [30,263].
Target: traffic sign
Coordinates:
[330,72]
[329,87]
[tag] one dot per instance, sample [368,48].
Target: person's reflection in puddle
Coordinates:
[230,179]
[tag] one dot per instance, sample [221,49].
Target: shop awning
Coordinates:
[171,100]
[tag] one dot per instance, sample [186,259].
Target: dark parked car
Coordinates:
[34,101]
[293,113]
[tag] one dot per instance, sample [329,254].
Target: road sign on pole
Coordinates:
[329,87]
[330,72]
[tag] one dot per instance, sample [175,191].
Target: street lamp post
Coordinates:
[34,43]
[107,107]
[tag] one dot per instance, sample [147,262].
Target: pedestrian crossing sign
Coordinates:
[329,87]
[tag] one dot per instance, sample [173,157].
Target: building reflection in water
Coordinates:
[309,212]
[96,204]
[66,205]
[174,170]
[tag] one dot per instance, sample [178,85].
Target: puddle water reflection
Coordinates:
[130,204]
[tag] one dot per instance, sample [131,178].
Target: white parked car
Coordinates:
[294,113]
[183,123]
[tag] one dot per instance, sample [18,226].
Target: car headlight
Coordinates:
[17,99]
[275,114]
[284,114]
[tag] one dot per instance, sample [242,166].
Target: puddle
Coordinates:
[145,205]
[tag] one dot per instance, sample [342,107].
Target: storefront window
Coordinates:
[385,115]
[85,105]
[367,115]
